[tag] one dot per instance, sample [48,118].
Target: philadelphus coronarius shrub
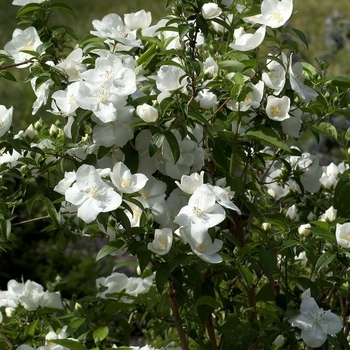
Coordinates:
[178,143]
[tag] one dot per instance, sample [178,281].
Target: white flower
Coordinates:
[315,323]
[112,74]
[278,108]
[211,10]
[309,169]
[168,78]
[66,182]
[329,177]
[147,113]
[252,100]
[201,212]
[42,93]
[275,13]
[91,194]
[304,230]
[73,65]
[26,2]
[210,67]
[29,294]
[247,42]
[162,241]
[27,39]
[342,233]
[206,99]
[138,20]
[189,183]
[117,282]
[202,244]
[292,125]
[5,119]
[276,77]
[126,182]
[116,132]
[296,79]
[113,27]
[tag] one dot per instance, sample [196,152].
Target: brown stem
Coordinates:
[176,315]
[252,314]
[13,65]
[6,340]
[210,332]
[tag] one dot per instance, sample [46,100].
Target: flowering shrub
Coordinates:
[178,143]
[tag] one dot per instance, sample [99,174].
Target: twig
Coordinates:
[7,341]
[210,332]
[176,315]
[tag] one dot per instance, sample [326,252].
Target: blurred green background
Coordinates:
[325,23]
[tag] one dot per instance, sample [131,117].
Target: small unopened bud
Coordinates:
[24,169]
[9,311]
[330,214]
[38,124]
[54,130]
[311,216]
[292,213]
[279,341]
[304,230]
[266,226]
[30,132]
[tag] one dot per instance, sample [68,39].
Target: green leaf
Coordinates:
[246,275]
[324,260]
[100,333]
[28,8]
[208,300]
[156,143]
[183,28]
[269,261]
[288,244]
[63,7]
[347,135]
[108,249]
[325,129]
[339,81]
[174,145]
[267,135]
[323,233]
[299,34]
[70,344]
[342,198]
[162,275]
[232,65]
[7,75]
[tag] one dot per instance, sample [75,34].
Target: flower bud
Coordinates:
[311,216]
[303,230]
[38,124]
[211,10]
[330,214]
[266,226]
[54,130]
[9,311]
[279,341]
[147,113]
[30,132]
[292,213]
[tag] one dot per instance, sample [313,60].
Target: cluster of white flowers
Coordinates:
[121,283]
[30,295]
